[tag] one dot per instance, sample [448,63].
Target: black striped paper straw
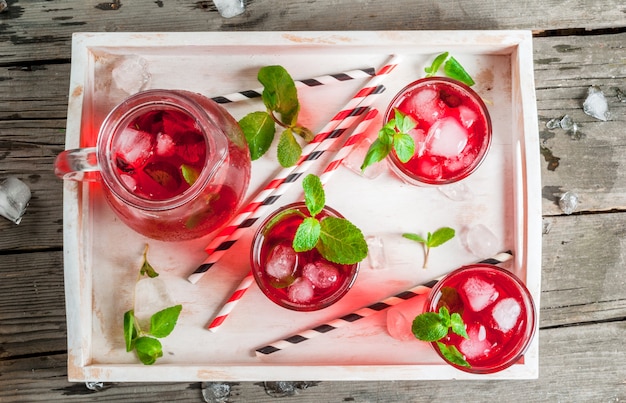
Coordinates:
[364,312]
[310,82]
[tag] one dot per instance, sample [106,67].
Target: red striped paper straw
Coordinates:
[330,169]
[363,312]
[227,237]
[309,82]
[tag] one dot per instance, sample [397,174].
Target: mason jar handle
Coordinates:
[74,164]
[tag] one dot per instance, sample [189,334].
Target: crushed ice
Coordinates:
[131,74]
[595,104]
[229,8]
[281,262]
[321,274]
[505,313]
[301,291]
[480,241]
[568,202]
[14,198]
[480,294]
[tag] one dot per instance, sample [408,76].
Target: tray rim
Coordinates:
[516,43]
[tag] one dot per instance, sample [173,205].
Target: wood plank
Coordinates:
[27,150]
[592,166]
[569,359]
[41,29]
[33,304]
[583,269]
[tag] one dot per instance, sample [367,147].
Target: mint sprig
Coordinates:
[393,135]
[437,238]
[451,68]
[336,239]
[280,98]
[145,341]
[434,326]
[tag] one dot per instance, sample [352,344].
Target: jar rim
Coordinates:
[398,167]
[141,102]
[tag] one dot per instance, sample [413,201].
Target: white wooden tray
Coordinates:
[102,256]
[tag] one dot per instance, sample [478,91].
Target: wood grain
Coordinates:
[583,303]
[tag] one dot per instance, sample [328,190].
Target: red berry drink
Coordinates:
[498,312]
[301,281]
[177,164]
[453,131]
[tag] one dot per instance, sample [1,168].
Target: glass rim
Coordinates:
[531,315]
[155,99]
[398,166]
[255,254]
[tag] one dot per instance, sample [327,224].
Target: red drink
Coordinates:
[498,313]
[453,131]
[302,281]
[175,163]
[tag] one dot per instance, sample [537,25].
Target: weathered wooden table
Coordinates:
[583,303]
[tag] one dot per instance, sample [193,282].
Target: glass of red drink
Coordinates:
[301,281]
[498,312]
[453,131]
[174,164]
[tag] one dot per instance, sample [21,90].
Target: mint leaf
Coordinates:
[404,146]
[148,349]
[444,316]
[289,150]
[428,327]
[403,123]
[162,323]
[432,70]
[259,129]
[457,325]
[377,152]
[146,267]
[190,174]
[314,196]
[341,241]
[452,354]
[280,93]
[441,236]
[414,237]
[307,235]
[453,69]
[130,331]
[303,132]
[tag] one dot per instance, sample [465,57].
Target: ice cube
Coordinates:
[321,274]
[478,344]
[419,138]
[429,167]
[400,318]
[568,202]
[301,291]
[229,8]
[479,293]
[457,191]
[376,252]
[446,138]
[505,313]
[129,182]
[281,262]
[595,104]
[165,145]
[14,198]
[426,105]
[355,159]
[131,74]
[467,116]
[132,148]
[480,241]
